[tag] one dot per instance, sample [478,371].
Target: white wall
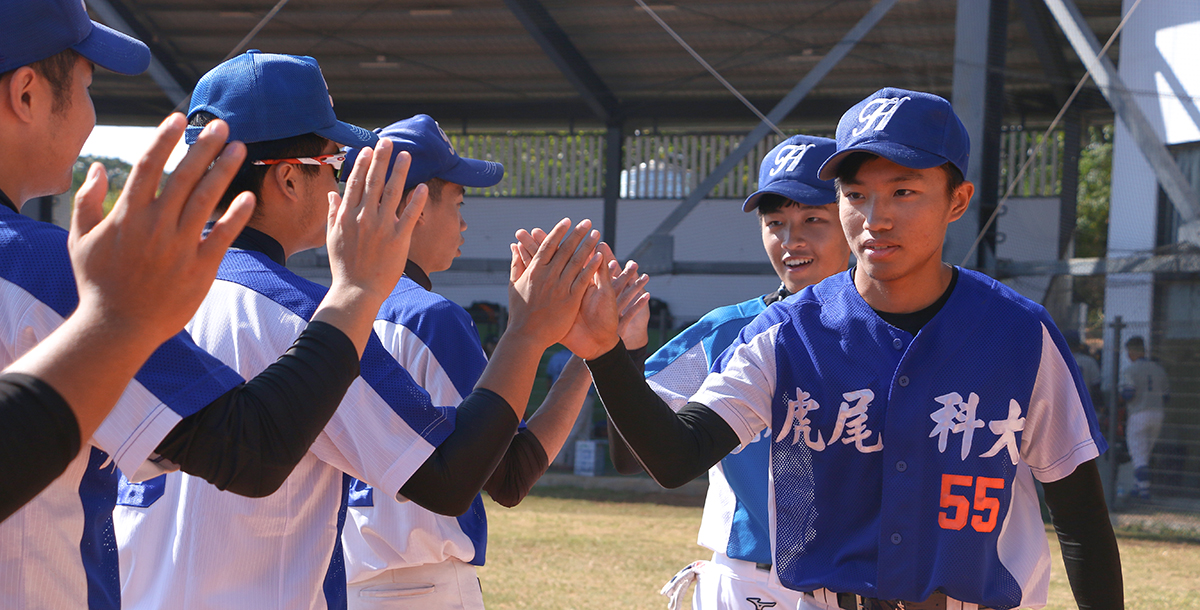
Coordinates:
[1159,46]
[717,230]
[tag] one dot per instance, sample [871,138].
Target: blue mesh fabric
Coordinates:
[857,507]
[33,255]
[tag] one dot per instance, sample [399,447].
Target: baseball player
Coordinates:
[1145,390]
[401,555]
[184,408]
[183,543]
[910,404]
[802,236]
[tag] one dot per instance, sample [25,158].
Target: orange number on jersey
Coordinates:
[962,506]
[985,504]
[949,500]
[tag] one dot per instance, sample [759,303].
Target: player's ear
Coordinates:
[960,199]
[19,92]
[286,178]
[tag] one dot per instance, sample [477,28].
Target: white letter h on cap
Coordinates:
[884,108]
[791,153]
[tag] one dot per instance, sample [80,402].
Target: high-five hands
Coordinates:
[368,235]
[547,286]
[615,305]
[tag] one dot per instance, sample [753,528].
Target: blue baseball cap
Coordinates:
[790,170]
[31,31]
[909,128]
[265,96]
[432,156]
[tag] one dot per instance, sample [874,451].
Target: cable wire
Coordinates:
[1012,184]
[711,70]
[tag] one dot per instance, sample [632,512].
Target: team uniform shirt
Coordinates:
[904,465]
[57,551]
[434,340]
[1145,384]
[185,544]
[736,520]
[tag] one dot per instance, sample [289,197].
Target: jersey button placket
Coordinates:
[903,381]
[897,538]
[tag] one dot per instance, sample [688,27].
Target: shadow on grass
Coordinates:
[609,495]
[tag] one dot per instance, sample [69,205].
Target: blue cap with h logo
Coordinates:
[265,96]
[909,128]
[790,170]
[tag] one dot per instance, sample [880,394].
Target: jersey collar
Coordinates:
[4,200]
[418,275]
[257,241]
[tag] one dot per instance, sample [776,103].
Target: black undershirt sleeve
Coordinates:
[674,447]
[449,480]
[1089,547]
[39,439]
[623,459]
[249,440]
[523,464]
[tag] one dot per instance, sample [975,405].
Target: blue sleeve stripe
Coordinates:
[379,369]
[445,328]
[33,256]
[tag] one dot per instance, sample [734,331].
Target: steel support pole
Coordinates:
[777,114]
[162,77]
[1102,71]
[614,142]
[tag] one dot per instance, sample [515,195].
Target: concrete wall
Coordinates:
[1159,46]
[717,230]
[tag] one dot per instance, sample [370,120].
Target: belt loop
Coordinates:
[953,604]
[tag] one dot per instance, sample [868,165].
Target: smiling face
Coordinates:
[804,242]
[895,219]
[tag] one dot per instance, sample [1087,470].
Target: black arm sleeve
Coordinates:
[39,439]
[249,440]
[674,447]
[623,459]
[449,480]
[523,464]
[1089,547]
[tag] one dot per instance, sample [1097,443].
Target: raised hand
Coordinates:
[368,236]
[633,303]
[145,266]
[141,271]
[546,289]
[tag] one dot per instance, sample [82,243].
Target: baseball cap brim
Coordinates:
[346,134]
[899,154]
[114,51]
[475,173]
[794,190]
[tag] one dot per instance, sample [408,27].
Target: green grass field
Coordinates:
[594,549]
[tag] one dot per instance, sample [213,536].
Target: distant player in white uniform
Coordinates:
[1145,390]
[184,543]
[401,555]
[910,404]
[184,409]
[801,233]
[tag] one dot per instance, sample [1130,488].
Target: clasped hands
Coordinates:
[567,287]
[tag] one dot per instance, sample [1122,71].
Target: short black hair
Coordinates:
[250,177]
[1136,342]
[435,186]
[769,203]
[847,171]
[57,70]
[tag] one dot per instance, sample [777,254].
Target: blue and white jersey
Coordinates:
[904,465]
[434,340]
[185,544]
[736,520]
[57,551]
